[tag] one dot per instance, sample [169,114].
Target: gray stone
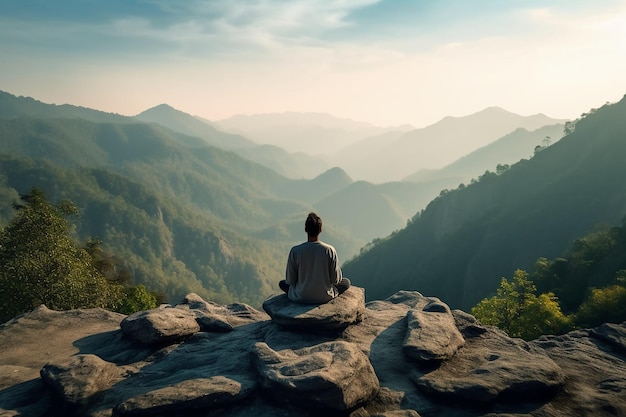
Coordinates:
[580,373]
[160,326]
[346,309]
[218,318]
[432,333]
[43,336]
[614,334]
[213,324]
[187,396]
[492,365]
[595,383]
[333,375]
[77,380]
[467,324]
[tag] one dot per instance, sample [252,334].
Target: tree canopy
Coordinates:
[584,288]
[518,310]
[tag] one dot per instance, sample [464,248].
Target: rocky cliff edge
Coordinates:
[408,355]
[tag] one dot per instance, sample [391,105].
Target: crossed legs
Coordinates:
[343,285]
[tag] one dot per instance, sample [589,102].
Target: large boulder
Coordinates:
[334,375]
[160,326]
[432,334]
[77,380]
[346,309]
[490,366]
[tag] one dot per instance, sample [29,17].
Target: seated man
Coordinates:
[313,274]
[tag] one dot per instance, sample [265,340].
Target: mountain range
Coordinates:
[315,134]
[381,155]
[190,207]
[438,145]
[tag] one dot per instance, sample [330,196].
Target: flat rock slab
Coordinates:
[346,309]
[160,326]
[432,334]
[333,376]
[494,365]
[187,396]
[30,341]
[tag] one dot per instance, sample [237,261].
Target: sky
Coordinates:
[387,62]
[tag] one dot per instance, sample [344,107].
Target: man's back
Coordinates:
[312,272]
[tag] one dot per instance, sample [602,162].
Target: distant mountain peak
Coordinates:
[163,107]
[334,174]
[495,109]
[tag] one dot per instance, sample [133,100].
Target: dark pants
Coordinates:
[343,285]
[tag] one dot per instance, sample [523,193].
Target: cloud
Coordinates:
[388,62]
[216,24]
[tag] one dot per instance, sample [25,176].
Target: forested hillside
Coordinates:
[12,107]
[169,246]
[467,239]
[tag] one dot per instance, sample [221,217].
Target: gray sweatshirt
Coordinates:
[312,272]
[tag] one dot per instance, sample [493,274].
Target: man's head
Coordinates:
[313,225]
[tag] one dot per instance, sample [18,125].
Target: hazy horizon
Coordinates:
[386,62]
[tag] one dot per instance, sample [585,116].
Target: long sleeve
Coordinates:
[335,270]
[312,272]
[291,273]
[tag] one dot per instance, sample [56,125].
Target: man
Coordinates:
[313,274]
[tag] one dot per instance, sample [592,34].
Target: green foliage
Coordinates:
[587,274]
[137,299]
[581,279]
[517,309]
[110,267]
[40,264]
[502,168]
[603,305]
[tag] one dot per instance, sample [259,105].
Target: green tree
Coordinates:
[137,298]
[501,168]
[517,309]
[41,264]
[606,304]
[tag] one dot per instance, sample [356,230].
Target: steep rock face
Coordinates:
[81,363]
